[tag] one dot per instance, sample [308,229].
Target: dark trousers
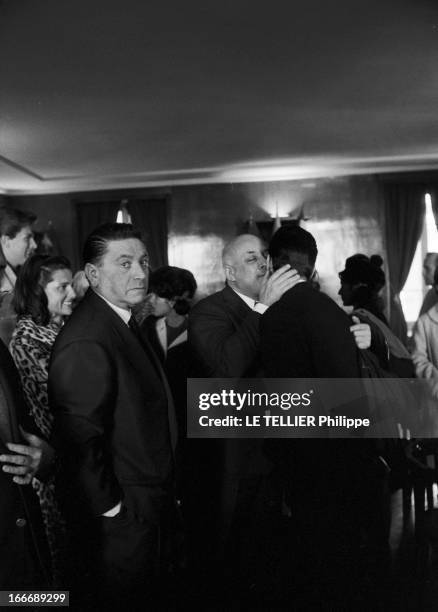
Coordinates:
[115,560]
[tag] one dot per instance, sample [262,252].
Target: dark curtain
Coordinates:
[404,216]
[92,214]
[150,217]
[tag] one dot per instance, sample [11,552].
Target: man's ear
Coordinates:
[4,241]
[229,273]
[92,274]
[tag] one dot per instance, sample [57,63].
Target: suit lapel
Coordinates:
[5,422]
[143,359]
[235,306]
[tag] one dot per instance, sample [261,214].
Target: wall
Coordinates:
[344,214]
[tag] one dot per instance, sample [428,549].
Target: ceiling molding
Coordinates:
[20,168]
[285,170]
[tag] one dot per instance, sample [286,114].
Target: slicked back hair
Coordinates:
[12,221]
[96,245]
[29,296]
[293,245]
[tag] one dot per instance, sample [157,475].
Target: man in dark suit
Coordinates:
[23,547]
[306,335]
[231,476]
[224,327]
[114,423]
[224,336]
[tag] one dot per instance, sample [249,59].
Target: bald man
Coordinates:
[224,327]
[237,486]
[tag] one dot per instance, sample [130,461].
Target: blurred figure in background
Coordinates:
[43,298]
[425,354]
[361,283]
[429,266]
[171,292]
[24,562]
[16,245]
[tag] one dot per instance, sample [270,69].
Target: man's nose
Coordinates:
[139,271]
[33,244]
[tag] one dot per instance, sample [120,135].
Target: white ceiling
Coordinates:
[98,94]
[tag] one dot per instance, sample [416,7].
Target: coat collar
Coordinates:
[131,346]
[433,313]
[136,354]
[234,302]
[160,326]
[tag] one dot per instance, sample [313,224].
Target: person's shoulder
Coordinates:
[212,301]
[88,321]
[304,302]
[26,330]
[431,316]
[298,298]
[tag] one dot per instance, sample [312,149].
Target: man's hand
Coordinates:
[278,283]
[28,460]
[362,333]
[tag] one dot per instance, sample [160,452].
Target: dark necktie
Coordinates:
[135,328]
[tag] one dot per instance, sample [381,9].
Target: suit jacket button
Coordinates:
[20,522]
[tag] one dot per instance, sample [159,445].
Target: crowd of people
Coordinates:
[102,491]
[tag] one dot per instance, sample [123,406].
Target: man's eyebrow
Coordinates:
[124,257]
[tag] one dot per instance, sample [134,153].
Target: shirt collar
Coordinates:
[124,314]
[248,301]
[10,273]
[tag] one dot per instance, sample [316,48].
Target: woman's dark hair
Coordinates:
[366,277]
[174,284]
[96,244]
[363,270]
[29,296]
[12,221]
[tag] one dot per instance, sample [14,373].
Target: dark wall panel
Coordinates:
[345,215]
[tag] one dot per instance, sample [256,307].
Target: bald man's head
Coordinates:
[244,261]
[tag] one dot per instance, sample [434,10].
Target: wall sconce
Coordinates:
[123,215]
[265,229]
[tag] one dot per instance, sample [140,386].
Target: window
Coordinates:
[413,292]
[123,215]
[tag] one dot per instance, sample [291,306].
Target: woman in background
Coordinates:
[43,298]
[361,283]
[171,291]
[425,354]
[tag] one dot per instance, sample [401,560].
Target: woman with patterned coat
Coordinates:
[43,297]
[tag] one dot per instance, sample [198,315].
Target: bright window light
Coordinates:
[123,216]
[431,231]
[413,292]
